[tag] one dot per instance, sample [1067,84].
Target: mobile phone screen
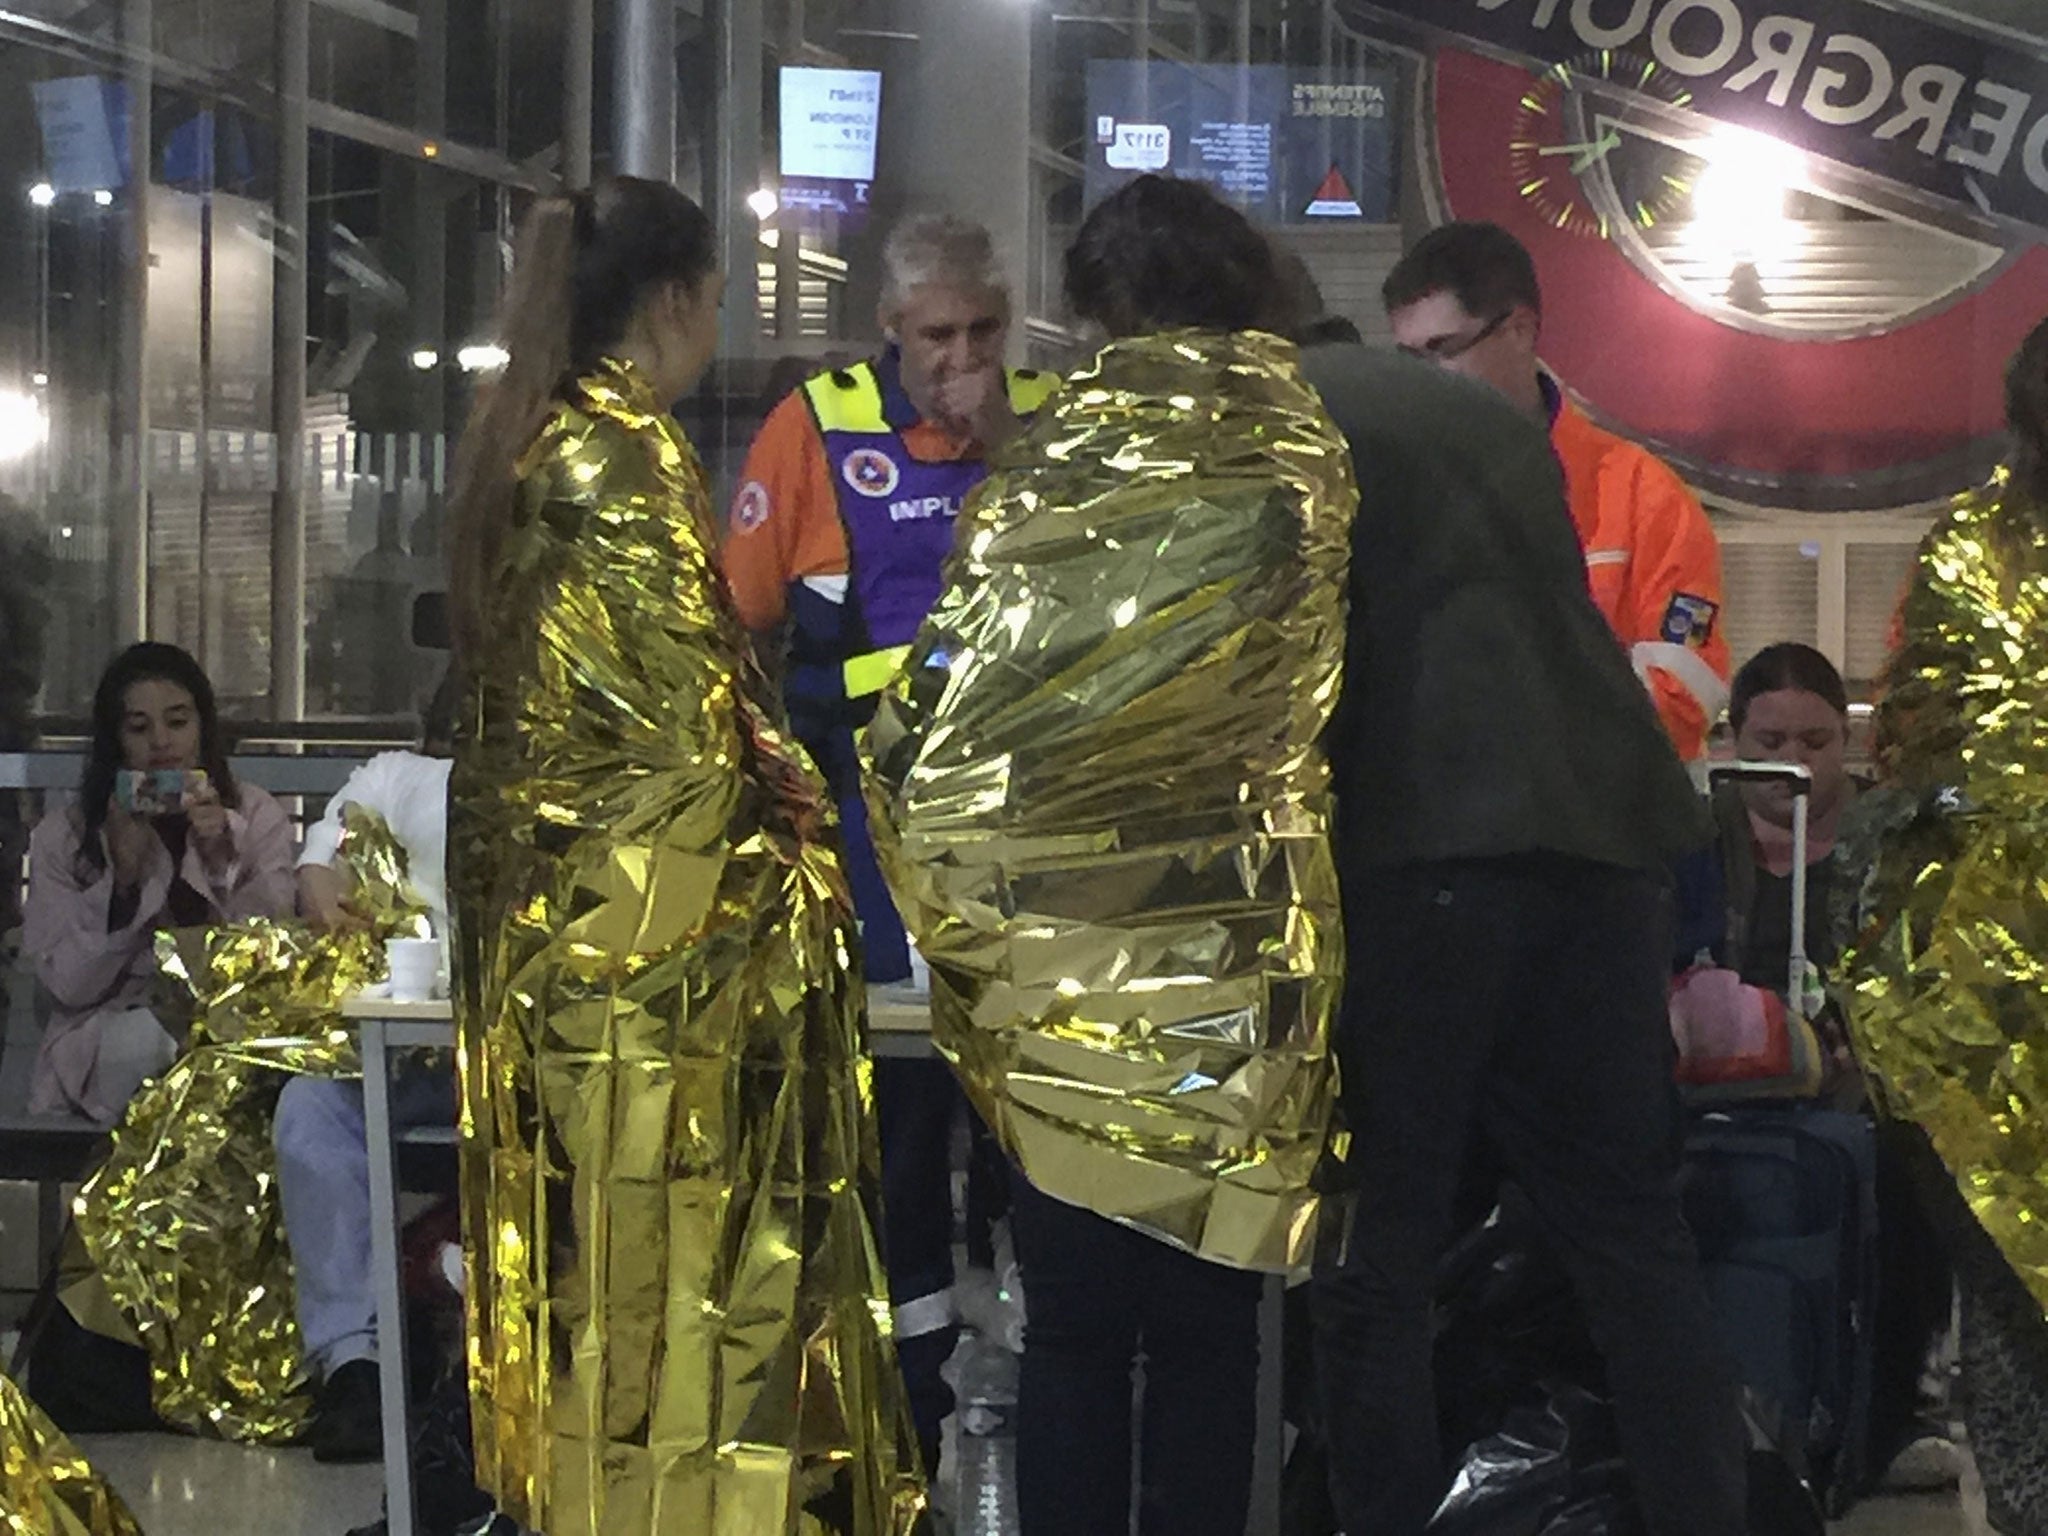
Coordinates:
[156,791]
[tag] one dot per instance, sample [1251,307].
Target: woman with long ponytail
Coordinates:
[676,1310]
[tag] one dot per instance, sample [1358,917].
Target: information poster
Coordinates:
[830,119]
[1289,146]
[84,121]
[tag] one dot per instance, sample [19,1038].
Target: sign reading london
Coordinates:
[829,119]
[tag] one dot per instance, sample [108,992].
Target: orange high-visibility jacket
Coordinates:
[1655,569]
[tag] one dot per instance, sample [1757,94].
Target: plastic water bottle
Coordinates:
[986,1399]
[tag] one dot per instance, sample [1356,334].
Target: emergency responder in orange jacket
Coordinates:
[837,536]
[1467,297]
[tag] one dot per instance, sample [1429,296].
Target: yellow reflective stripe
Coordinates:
[874,671]
[858,407]
[840,408]
[1027,394]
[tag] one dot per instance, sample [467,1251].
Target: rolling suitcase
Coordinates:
[1782,1199]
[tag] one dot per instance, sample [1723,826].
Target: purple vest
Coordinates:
[897,511]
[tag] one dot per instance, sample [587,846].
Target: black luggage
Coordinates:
[1783,1202]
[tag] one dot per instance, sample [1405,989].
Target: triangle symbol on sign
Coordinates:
[1333,199]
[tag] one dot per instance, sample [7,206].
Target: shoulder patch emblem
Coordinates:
[871,472]
[1689,620]
[751,507]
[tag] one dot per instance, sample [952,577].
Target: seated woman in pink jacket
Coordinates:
[161,837]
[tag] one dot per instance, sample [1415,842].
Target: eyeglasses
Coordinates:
[1448,349]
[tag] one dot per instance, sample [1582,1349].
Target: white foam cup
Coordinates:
[415,967]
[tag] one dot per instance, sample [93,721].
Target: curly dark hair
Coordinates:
[1164,254]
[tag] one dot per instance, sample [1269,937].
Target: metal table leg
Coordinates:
[390,1281]
[1270,1446]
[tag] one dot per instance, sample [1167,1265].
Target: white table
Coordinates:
[899,1023]
[385,1026]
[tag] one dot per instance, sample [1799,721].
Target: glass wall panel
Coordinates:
[1802,303]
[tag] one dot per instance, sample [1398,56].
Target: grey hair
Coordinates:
[938,248]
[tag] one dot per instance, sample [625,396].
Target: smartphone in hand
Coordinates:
[157,791]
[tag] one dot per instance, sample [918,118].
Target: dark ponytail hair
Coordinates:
[582,264]
[1163,254]
[2026,413]
[1786,667]
[151,661]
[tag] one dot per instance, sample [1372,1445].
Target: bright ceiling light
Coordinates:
[23,426]
[1741,210]
[763,203]
[1747,182]
[39,380]
[425,358]
[104,198]
[482,359]
[42,194]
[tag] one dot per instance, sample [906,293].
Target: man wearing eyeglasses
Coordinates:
[1467,298]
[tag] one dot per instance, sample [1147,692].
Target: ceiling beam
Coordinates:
[378,13]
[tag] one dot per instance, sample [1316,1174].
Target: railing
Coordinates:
[301,757]
[281,774]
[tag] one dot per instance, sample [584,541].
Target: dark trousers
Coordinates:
[1524,996]
[915,1105]
[1096,1297]
[1915,1295]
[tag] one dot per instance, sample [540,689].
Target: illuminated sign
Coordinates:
[831,119]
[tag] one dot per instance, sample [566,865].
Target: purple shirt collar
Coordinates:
[897,410]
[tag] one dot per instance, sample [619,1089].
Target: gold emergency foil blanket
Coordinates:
[1101,804]
[1949,977]
[182,1223]
[677,1310]
[47,1488]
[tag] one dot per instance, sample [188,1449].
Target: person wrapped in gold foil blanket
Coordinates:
[1948,1001]
[47,1488]
[678,1318]
[1945,983]
[182,1224]
[1102,803]
[1104,809]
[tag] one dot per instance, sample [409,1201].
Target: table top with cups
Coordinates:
[886,1014]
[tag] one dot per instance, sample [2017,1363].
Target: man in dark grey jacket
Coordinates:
[1507,807]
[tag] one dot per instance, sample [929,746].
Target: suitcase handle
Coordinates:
[1798,778]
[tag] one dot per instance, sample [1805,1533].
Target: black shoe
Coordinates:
[348,1419]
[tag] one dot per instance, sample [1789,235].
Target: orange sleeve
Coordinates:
[784,522]
[1672,619]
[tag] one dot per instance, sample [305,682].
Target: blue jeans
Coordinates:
[323,1183]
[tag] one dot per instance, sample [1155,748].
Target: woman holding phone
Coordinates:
[161,837]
